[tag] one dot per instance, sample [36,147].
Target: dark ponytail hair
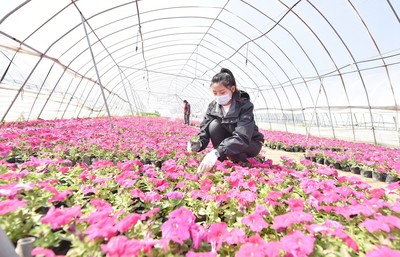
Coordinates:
[224,77]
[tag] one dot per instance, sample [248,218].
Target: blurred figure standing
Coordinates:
[186,111]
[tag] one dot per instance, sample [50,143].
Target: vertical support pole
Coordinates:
[97,72]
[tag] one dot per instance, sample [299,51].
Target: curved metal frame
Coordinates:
[124,74]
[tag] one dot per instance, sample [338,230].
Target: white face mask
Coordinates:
[223,99]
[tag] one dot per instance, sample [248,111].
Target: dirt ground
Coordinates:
[275,156]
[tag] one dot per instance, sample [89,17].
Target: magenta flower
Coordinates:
[127,222]
[58,217]
[383,251]
[216,235]
[8,206]
[298,244]
[120,246]
[287,219]
[255,221]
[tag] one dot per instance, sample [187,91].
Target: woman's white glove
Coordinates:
[193,146]
[208,162]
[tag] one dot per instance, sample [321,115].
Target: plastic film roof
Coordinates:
[318,67]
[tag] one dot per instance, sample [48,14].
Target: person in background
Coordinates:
[229,123]
[186,111]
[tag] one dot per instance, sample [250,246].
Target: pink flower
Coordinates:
[120,246]
[287,219]
[260,209]
[44,252]
[250,249]
[58,217]
[377,193]
[104,228]
[246,196]
[295,204]
[255,221]
[128,222]
[374,225]
[273,197]
[150,213]
[273,249]
[61,196]
[235,236]
[8,206]
[309,186]
[176,230]
[298,244]
[383,251]
[206,184]
[183,213]
[202,254]
[177,227]
[174,195]
[198,234]
[152,197]
[101,205]
[217,235]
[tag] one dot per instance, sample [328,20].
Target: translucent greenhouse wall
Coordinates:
[324,68]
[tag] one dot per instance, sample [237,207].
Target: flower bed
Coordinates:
[137,194]
[381,163]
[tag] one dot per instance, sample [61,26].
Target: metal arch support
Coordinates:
[97,72]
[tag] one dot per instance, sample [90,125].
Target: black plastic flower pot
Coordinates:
[346,168]
[379,176]
[337,166]
[355,170]
[391,178]
[366,173]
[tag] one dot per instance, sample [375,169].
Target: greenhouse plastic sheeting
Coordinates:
[326,68]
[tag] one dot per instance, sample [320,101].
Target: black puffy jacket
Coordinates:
[239,121]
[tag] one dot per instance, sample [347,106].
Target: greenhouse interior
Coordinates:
[200,128]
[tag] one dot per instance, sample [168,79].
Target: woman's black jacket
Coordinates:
[239,121]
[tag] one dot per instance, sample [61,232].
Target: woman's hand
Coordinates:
[208,162]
